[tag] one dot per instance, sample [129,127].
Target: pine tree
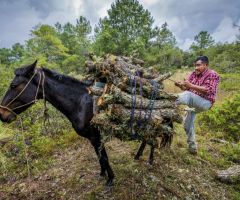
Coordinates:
[126,29]
[202,41]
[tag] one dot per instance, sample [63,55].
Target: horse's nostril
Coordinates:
[3,119]
[7,117]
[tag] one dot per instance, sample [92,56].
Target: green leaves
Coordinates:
[126,29]
[202,41]
[5,55]
[45,43]
[225,118]
[224,58]
[164,37]
[8,56]
[62,47]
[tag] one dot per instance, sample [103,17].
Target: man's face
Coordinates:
[200,67]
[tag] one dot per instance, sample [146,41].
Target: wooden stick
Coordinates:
[172,80]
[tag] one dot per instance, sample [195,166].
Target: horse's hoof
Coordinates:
[109,183]
[101,177]
[136,157]
[103,174]
[150,165]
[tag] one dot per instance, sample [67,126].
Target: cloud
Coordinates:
[17,22]
[225,32]
[185,18]
[148,3]
[18,17]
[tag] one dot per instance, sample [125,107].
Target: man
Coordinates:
[199,94]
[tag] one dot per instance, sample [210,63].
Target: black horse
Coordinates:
[66,94]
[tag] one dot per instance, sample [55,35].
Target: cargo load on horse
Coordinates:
[130,101]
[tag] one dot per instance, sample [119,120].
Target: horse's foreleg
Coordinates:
[103,159]
[106,165]
[140,150]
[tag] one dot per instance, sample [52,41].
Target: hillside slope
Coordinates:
[74,174]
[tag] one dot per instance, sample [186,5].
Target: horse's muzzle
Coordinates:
[6,116]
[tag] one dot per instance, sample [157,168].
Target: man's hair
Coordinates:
[204,59]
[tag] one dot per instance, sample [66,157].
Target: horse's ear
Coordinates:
[30,68]
[33,65]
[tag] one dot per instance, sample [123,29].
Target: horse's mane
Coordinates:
[64,79]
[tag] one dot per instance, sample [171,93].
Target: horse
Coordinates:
[68,95]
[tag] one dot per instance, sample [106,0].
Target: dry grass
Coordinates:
[74,174]
[180,75]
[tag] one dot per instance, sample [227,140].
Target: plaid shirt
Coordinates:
[209,79]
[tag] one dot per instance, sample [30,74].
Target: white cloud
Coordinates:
[184,43]
[78,6]
[16,25]
[148,2]
[225,31]
[102,12]
[178,24]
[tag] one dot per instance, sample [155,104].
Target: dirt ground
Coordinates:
[74,174]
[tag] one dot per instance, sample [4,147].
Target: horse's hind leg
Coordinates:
[140,150]
[151,157]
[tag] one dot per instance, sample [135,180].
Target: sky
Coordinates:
[186,18]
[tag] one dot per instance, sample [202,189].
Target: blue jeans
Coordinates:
[198,104]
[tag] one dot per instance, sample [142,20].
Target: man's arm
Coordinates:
[200,89]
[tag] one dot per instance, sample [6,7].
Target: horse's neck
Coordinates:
[64,97]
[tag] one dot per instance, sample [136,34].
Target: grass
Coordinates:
[71,171]
[74,174]
[5,132]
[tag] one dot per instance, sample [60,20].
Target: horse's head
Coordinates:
[21,93]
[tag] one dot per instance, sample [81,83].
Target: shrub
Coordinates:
[224,118]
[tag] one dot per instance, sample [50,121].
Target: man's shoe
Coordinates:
[192,151]
[134,136]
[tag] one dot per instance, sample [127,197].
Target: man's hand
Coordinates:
[187,84]
[177,83]
[180,85]
[200,89]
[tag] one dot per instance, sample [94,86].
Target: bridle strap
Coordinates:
[35,72]
[40,82]
[8,109]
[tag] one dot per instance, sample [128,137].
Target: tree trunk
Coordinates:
[230,175]
[118,96]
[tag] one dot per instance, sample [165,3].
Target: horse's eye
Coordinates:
[13,85]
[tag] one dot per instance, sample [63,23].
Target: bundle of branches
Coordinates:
[133,100]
